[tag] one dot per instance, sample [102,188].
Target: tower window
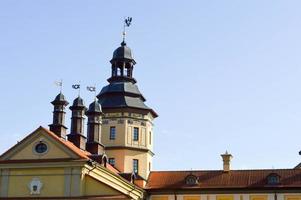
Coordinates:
[112,161]
[150,137]
[112,133]
[136,134]
[135,166]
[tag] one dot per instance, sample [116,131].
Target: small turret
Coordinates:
[122,64]
[58,124]
[94,114]
[76,135]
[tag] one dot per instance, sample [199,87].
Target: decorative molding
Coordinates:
[35,186]
[120,121]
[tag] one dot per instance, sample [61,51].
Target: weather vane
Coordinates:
[92,89]
[59,84]
[77,87]
[127,23]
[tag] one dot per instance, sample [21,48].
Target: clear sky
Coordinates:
[222,75]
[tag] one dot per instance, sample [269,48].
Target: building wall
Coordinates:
[56,182]
[94,187]
[259,196]
[124,130]
[17,182]
[124,160]
[124,122]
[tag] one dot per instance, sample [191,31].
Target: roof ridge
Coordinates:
[209,170]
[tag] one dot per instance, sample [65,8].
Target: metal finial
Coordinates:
[59,84]
[127,23]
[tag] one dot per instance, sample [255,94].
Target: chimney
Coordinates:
[226,161]
[58,124]
[76,135]
[94,114]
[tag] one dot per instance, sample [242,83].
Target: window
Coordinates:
[273,179]
[149,166]
[150,138]
[112,133]
[191,180]
[135,166]
[112,161]
[136,134]
[41,148]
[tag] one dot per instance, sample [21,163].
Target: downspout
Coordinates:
[275,195]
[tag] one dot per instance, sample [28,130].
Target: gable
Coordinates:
[28,149]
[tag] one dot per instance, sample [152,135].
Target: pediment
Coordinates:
[42,145]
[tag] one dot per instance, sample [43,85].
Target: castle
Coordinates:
[113,160]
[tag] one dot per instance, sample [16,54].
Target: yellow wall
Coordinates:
[258,197]
[191,198]
[124,138]
[124,160]
[292,197]
[224,197]
[52,179]
[159,198]
[124,131]
[94,187]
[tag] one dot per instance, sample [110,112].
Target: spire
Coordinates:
[58,124]
[94,114]
[76,135]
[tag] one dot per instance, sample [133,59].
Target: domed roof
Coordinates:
[78,102]
[122,52]
[60,99]
[94,107]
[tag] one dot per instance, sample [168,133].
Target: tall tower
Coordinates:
[58,122]
[94,114]
[76,135]
[127,128]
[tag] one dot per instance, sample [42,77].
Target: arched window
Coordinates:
[118,71]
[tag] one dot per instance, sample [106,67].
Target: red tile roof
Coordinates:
[235,179]
[81,153]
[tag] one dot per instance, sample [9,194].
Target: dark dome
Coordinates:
[78,102]
[60,99]
[122,52]
[94,107]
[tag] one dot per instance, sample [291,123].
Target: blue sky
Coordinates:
[222,75]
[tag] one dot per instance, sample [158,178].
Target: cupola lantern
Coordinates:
[122,64]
